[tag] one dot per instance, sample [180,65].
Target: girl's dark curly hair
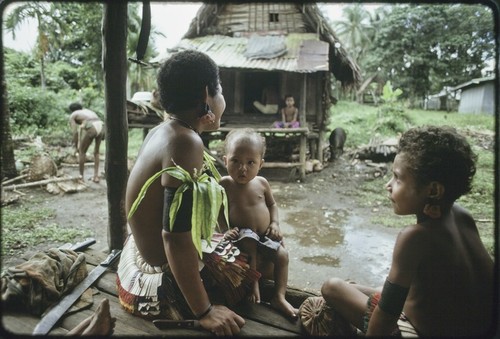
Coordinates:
[439,153]
[182,80]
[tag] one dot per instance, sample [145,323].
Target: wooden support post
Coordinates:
[115,77]
[303,123]
[302,155]
[239,106]
[303,102]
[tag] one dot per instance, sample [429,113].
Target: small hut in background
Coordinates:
[286,45]
[477,96]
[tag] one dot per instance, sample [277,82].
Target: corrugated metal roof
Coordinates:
[473,82]
[305,53]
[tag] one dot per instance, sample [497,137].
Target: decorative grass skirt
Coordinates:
[151,291]
[148,291]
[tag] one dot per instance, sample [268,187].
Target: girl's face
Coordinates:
[404,194]
[243,161]
[289,101]
[217,105]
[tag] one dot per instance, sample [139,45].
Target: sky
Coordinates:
[172,19]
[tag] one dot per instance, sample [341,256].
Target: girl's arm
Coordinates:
[406,257]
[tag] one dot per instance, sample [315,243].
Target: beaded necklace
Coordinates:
[185,124]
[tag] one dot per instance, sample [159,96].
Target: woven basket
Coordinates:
[41,167]
[319,319]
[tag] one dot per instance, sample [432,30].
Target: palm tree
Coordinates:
[355,30]
[41,12]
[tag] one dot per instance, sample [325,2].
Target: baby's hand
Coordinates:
[274,232]
[232,234]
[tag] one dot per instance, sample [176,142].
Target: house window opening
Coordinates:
[274,17]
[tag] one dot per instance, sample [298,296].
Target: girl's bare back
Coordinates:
[452,291]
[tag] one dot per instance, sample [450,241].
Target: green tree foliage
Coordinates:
[32,107]
[423,48]
[355,30]
[142,78]
[72,68]
[358,29]
[82,48]
[46,24]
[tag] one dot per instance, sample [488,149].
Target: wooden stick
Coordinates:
[37,183]
[65,164]
[14,179]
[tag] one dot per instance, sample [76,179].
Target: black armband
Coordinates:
[393,298]
[182,222]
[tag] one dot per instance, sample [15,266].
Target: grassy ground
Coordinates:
[360,122]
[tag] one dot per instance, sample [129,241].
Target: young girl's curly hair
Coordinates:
[439,153]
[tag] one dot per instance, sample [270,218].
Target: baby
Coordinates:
[253,213]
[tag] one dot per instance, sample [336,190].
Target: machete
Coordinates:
[56,312]
[79,246]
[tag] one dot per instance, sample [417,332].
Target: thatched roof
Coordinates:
[215,24]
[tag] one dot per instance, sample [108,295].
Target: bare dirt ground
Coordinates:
[325,232]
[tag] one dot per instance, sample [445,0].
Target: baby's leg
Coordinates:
[249,246]
[280,284]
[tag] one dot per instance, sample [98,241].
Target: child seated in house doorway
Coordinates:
[289,114]
[253,214]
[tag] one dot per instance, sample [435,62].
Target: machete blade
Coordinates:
[56,312]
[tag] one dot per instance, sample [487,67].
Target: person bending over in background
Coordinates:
[86,127]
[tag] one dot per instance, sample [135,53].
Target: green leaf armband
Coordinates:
[208,197]
[393,298]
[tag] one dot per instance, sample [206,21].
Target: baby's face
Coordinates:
[243,161]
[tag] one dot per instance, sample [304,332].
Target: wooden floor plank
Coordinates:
[264,314]
[17,323]
[261,320]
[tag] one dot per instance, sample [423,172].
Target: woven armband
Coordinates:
[393,298]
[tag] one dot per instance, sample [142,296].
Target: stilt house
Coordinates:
[286,45]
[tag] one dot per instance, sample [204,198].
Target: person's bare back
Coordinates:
[455,277]
[154,155]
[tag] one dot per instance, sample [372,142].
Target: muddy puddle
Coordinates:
[325,237]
